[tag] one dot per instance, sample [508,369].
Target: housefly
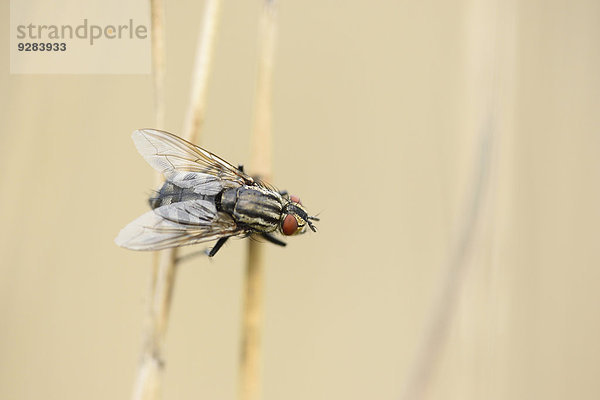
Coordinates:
[205,198]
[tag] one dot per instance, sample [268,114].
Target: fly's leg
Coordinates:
[205,252]
[217,246]
[241,167]
[189,256]
[273,239]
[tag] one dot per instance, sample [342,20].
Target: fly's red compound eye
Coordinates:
[290,225]
[295,199]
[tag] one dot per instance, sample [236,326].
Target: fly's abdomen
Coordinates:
[256,207]
[170,193]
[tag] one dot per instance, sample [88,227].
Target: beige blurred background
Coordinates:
[377,110]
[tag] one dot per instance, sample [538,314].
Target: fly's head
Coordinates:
[294,218]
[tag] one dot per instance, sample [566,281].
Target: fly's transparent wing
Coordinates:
[177,224]
[187,165]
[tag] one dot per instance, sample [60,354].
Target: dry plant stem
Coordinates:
[443,310]
[470,220]
[157,15]
[202,62]
[250,371]
[157,10]
[149,378]
[261,140]
[250,385]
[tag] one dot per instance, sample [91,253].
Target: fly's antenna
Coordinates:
[312,218]
[311,226]
[299,211]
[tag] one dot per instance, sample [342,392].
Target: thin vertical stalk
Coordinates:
[157,11]
[490,76]
[157,20]
[147,385]
[202,63]
[149,378]
[250,371]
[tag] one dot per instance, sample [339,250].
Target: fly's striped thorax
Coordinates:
[257,207]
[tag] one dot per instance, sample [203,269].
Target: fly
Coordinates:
[206,198]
